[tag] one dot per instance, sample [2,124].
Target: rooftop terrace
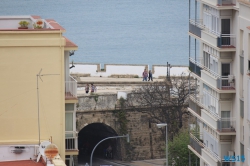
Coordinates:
[34,23]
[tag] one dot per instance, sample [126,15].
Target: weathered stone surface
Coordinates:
[146,140]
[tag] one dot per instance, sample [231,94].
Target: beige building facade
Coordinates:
[38,96]
[219,40]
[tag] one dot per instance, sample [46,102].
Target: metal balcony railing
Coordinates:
[196,144]
[225,2]
[199,100]
[194,67]
[226,82]
[71,88]
[226,40]
[226,124]
[71,140]
[199,62]
[195,26]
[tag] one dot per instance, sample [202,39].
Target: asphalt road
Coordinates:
[99,162]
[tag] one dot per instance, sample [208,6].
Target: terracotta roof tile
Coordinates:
[54,24]
[69,43]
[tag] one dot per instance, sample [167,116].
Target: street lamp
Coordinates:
[160,126]
[128,140]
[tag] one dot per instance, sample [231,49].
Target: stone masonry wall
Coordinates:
[146,140]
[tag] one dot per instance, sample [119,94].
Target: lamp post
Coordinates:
[160,126]
[104,140]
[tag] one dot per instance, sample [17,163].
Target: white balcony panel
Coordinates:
[208,118]
[209,38]
[208,78]
[208,158]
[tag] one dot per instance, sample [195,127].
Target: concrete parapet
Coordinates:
[130,70]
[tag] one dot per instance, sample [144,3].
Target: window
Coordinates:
[242,65]
[241,108]
[69,107]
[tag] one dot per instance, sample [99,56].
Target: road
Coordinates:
[99,162]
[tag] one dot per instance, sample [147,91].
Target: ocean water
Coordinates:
[116,31]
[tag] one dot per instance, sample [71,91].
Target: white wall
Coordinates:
[7,153]
[114,69]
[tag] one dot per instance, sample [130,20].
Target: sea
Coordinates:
[116,31]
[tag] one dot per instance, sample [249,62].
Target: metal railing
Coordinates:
[195,26]
[71,140]
[199,62]
[225,2]
[225,83]
[225,40]
[226,124]
[199,101]
[195,143]
[71,88]
[194,66]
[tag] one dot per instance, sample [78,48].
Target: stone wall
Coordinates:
[146,140]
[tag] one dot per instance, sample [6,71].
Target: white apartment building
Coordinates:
[219,60]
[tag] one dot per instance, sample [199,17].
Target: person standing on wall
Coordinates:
[150,76]
[145,75]
[93,88]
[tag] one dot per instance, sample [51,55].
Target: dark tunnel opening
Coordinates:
[91,135]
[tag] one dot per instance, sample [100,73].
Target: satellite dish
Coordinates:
[51,151]
[42,147]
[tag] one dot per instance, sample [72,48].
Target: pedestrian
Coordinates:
[87,89]
[93,88]
[145,75]
[150,76]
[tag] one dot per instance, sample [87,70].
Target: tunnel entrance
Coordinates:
[93,133]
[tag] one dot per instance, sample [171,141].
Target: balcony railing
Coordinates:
[195,26]
[71,140]
[226,124]
[195,107]
[226,82]
[194,67]
[225,2]
[71,88]
[196,144]
[199,100]
[199,62]
[226,41]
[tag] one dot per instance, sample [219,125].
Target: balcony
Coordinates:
[226,83]
[196,108]
[71,88]
[226,41]
[225,3]
[226,124]
[219,40]
[194,67]
[71,140]
[195,27]
[196,144]
[199,101]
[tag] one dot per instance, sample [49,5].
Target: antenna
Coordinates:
[38,110]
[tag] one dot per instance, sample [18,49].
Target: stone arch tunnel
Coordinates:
[90,135]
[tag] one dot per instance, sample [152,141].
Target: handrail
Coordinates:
[204,67]
[207,149]
[204,107]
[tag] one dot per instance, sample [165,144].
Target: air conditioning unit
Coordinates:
[230,153]
[230,78]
